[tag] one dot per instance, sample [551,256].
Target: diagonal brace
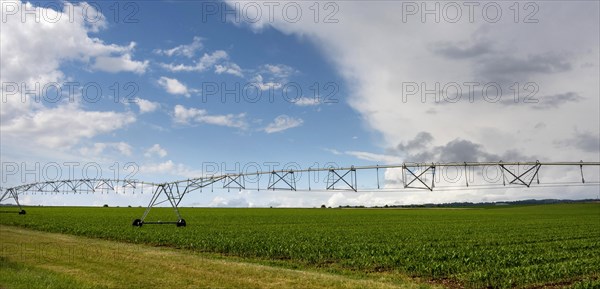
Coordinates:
[520,177]
[291,184]
[237,180]
[333,173]
[418,178]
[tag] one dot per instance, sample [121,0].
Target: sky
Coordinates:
[169,90]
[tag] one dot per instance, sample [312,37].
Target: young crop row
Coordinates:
[509,247]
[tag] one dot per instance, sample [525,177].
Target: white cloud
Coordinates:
[278,70]
[26,61]
[260,83]
[120,63]
[100,148]
[173,86]
[187,50]
[364,199]
[333,151]
[171,168]
[380,158]
[229,68]
[205,62]
[62,126]
[307,101]
[238,202]
[283,122]
[183,115]
[272,76]
[208,60]
[155,150]
[146,106]
[56,41]
[164,167]
[33,52]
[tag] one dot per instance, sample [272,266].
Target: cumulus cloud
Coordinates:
[146,106]
[307,101]
[183,115]
[364,199]
[175,87]
[170,168]
[205,62]
[116,64]
[265,85]
[238,202]
[155,150]
[100,148]
[283,122]
[281,71]
[229,68]
[164,167]
[65,39]
[63,126]
[187,50]
[272,76]
[59,38]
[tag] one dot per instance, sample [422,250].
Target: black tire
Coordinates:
[137,223]
[181,223]
[22,212]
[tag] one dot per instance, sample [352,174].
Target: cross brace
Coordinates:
[288,178]
[234,182]
[520,178]
[333,177]
[419,177]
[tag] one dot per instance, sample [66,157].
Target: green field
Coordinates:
[522,246]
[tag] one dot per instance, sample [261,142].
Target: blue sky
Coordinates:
[172,61]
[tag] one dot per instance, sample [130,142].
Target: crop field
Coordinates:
[500,247]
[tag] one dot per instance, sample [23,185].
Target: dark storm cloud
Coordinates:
[502,66]
[457,150]
[532,64]
[586,142]
[461,50]
[421,139]
[543,102]
[556,100]
[505,69]
[460,150]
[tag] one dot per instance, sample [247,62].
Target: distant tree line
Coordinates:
[480,204]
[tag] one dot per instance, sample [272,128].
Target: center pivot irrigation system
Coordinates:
[414,176]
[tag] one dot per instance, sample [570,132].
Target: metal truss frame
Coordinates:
[289,179]
[333,178]
[172,193]
[420,177]
[234,182]
[535,168]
